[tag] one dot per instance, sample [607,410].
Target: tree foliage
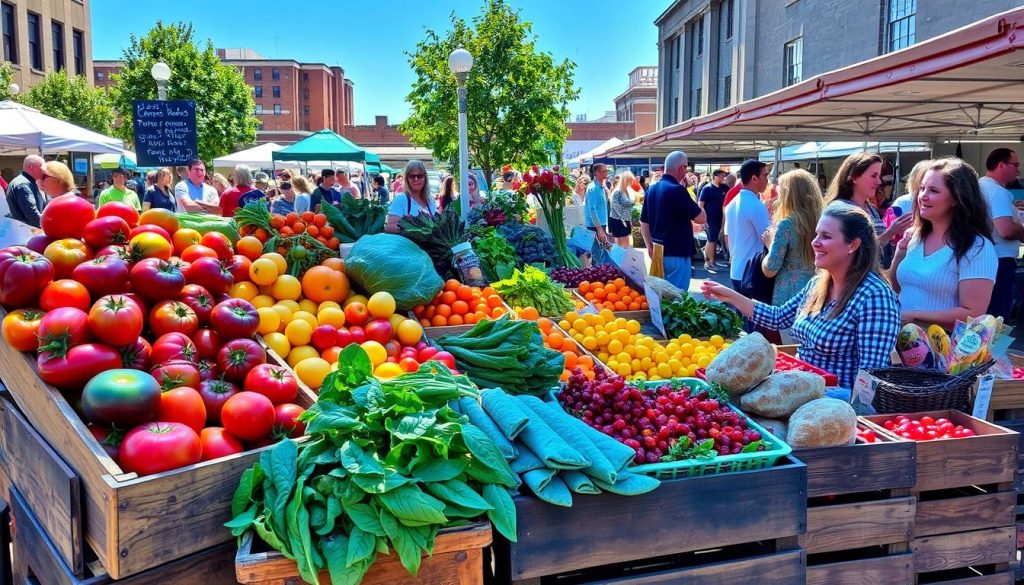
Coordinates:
[517,97]
[6,77]
[71,98]
[224,104]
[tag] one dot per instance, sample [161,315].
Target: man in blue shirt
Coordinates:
[595,204]
[666,217]
[711,200]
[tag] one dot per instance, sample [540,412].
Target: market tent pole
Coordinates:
[896,173]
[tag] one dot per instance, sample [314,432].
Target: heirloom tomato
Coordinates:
[176,373]
[217,443]
[136,355]
[183,405]
[103,275]
[64,293]
[211,274]
[106,231]
[23,275]
[276,383]
[235,319]
[116,320]
[215,393]
[200,300]
[174,346]
[286,421]
[65,255]
[157,280]
[147,242]
[70,369]
[219,243]
[248,416]
[122,210]
[21,329]
[159,446]
[170,316]
[238,356]
[121,398]
[66,216]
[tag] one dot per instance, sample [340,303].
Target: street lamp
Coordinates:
[14,88]
[161,73]
[460,62]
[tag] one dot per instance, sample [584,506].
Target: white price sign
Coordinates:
[654,303]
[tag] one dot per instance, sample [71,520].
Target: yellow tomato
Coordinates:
[260,301]
[332,316]
[284,313]
[308,306]
[292,305]
[278,342]
[263,271]
[298,331]
[307,317]
[286,287]
[278,260]
[716,340]
[327,304]
[388,370]
[396,320]
[312,371]
[185,237]
[409,332]
[270,320]
[633,327]
[354,299]
[381,305]
[378,355]
[243,290]
[302,352]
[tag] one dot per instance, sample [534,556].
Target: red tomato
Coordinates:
[276,383]
[217,443]
[235,319]
[106,231]
[176,373]
[23,275]
[122,210]
[197,251]
[211,274]
[183,405]
[157,280]
[215,393]
[65,255]
[70,370]
[159,446]
[21,329]
[103,275]
[344,338]
[170,316]
[238,356]
[324,336]
[200,300]
[208,369]
[208,343]
[358,333]
[116,320]
[66,217]
[445,358]
[136,355]
[219,243]
[107,438]
[409,364]
[64,327]
[248,416]
[238,266]
[286,421]
[426,353]
[148,242]
[64,293]
[38,243]
[174,346]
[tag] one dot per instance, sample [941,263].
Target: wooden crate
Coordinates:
[457,560]
[601,531]
[1007,395]
[132,523]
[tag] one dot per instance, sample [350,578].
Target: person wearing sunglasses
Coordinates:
[414,200]
[1002,167]
[285,202]
[57,180]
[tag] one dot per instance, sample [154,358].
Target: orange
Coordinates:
[321,283]
[567,345]
[456,320]
[493,301]
[544,324]
[584,287]
[612,297]
[487,291]
[610,287]
[452,285]
[585,361]
[334,264]
[555,339]
[425,322]
[472,318]
[439,321]
[160,217]
[444,311]
[600,293]
[460,307]
[249,246]
[497,312]
[570,359]
[529,313]
[619,282]
[465,293]
[448,297]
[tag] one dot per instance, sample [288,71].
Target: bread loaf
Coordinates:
[782,393]
[825,422]
[778,428]
[743,365]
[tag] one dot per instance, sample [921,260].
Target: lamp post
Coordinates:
[14,89]
[161,72]
[460,62]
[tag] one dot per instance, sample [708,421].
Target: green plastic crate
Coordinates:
[775,449]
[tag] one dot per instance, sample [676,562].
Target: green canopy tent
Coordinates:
[326,145]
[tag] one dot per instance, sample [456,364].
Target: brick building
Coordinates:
[639,103]
[39,36]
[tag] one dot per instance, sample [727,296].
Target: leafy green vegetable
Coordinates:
[700,318]
[389,262]
[532,287]
[436,236]
[497,257]
[354,218]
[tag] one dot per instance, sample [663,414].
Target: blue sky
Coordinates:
[605,38]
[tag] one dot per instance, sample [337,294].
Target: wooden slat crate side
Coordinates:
[780,568]
[1006,395]
[964,549]
[608,529]
[1001,578]
[966,513]
[889,570]
[858,468]
[34,553]
[858,525]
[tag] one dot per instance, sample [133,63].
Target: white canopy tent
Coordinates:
[25,129]
[112,161]
[259,156]
[587,158]
[817,150]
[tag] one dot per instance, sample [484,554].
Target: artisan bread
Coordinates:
[825,422]
[782,393]
[778,428]
[743,365]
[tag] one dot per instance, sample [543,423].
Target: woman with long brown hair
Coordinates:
[790,256]
[855,184]
[414,199]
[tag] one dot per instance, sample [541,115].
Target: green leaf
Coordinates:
[358,462]
[409,552]
[361,545]
[265,532]
[366,519]
[240,523]
[487,453]
[440,469]
[411,426]
[373,484]
[282,462]
[389,524]
[503,514]
[410,504]
[459,493]
[333,417]
[244,492]
[335,549]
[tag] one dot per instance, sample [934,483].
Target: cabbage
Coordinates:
[386,262]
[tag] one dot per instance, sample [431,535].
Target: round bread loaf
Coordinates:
[825,422]
[748,361]
[782,393]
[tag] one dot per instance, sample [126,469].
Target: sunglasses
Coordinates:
[410,177]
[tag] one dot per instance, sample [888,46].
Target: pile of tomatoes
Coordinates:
[460,304]
[926,428]
[162,361]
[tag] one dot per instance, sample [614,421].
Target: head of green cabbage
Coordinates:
[392,263]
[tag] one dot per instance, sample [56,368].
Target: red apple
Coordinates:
[344,337]
[379,330]
[324,337]
[358,334]
[357,314]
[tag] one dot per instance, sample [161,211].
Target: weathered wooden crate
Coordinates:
[457,560]
[859,513]
[132,523]
[692,530]
[1007,400]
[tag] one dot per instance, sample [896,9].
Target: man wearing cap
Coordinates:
[242,193]
[119,191]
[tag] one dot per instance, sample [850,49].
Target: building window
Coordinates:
[277,91]
[305,93]
[257,91]
[259,109]
[277,109]
[793,61]
[57,33]
[35,42]
[728,12]
[10,36]
[695,96]
[257,74]
[727,91]
[78,45]
[902,30]
[275,74]
[100,75]
[305,111]
[305,76]
[697,34]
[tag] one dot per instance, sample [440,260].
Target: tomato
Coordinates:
[116,320]
[176,373]
[136,355]
[174,346]
[21,329]
[211,274]
[286,421]
[164,218]
[197,251]
[238,356]
[147,242]
[208,369]
[23,275]
[445,358]
[157,280]
[248,416]
[324,336]
[103,275]
[409,364]
[239,266]
[217,443]
[121,398]
[183,405]
[106,231]
[159,446]
[66,217]
[64,327]
[107,438]
[426,353]
[276,383]
[250,247]
[219,243]
[64,293]
[199,300]
[71,369]
[38,243]
[122,210]
[926,421]
[169,316]
[215,393]
[208,343]
[65,255]
[235,319]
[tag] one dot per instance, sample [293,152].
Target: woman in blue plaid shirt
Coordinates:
[847,317]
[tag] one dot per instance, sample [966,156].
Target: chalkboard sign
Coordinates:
[165,132]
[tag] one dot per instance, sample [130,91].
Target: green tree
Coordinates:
[6,77]
[72,99]
[224,104]
[517,97]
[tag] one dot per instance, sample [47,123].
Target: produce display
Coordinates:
[925,428]
[391,263]
[700,318]
[572,277]
[460,304]
[387,465]
[614,295]
[354,218]
[305,238]
[575,356]
[551,189]
[436,236]
[531,287]
[532,244]
[497,257]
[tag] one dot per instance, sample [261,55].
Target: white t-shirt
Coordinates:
[187,189]
[1000,204]
[931,283]
[403,206]
[747,218]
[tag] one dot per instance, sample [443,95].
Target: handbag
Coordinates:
[755,284]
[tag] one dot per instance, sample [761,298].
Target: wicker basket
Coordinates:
[903,389]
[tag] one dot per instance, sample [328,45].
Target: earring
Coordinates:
[850,252]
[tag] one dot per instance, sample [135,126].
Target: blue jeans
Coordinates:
[678,270]
[1002,292]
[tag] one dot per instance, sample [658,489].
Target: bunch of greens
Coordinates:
[354,218]
[386,466]
[497,257]
[532,287]
[436,236]
[500,207]
[700,318]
